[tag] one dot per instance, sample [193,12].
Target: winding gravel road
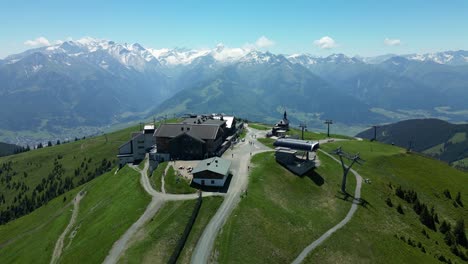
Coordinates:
[352,210]
[240,157]
[157,201]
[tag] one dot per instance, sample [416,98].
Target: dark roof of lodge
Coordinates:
[214,122]
[201,131]
[202,120]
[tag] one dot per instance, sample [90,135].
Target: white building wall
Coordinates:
[211,182]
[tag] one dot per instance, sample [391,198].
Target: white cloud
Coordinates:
[249,46]
[392,42]
[40,41]
[325,43]
[264,42]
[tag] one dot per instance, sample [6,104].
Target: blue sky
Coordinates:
[353,27]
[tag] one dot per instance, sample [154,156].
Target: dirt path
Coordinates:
[157,201]
[59,244]
[240,157]
[352,210]
[163,178]
[121,245]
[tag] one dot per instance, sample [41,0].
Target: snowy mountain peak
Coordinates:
[135,56]
[304,59]
[459,57]
[341,58]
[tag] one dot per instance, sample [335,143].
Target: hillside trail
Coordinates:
[163,178]
[157,201]
[352,210]
[240,156]
[59,244]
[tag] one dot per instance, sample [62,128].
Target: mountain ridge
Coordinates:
[91,83]
[433,137]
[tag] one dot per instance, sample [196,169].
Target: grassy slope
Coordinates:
[112,204]
[157,175]
[39,163]
[369,237]
[259,126]
[267,142]
[208,209]
[310,135]
[156,242]
[176,184]
[282,213]
[437,138]
[35,235]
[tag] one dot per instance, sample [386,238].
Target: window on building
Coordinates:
[212,181]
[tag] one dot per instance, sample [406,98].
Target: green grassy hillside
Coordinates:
[31,179]
[277,217]
[177,184]
[157,175]
[281,213]
[156,241]
[380,234]
[35,234]
[111,204]
[433,137]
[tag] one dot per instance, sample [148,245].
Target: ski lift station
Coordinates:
[297,144]
[286,154]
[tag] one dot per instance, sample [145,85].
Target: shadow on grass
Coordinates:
[205,188]
[315,177]
[350,198]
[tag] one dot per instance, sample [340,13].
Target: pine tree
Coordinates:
[417,207]
[400,209]
[426,218]
[458,199]
[58,142]
[447,194]
[388,201]
[459,233]
[445,227]
[49,144]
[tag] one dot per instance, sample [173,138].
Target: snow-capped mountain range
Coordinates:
[140,58]
[92,82]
